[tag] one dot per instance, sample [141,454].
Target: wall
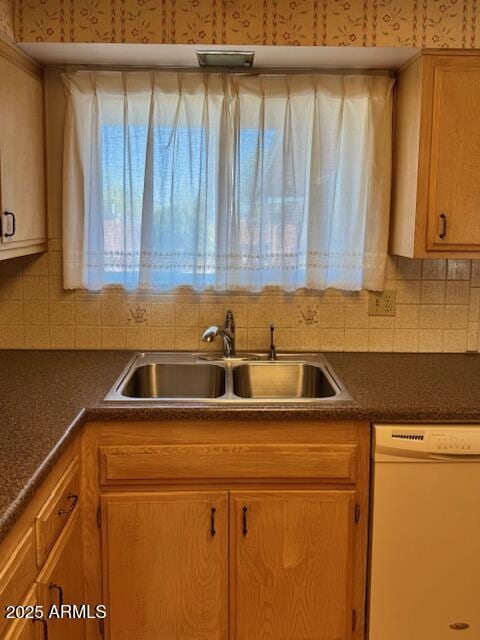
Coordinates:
[6,18]
[437,301]
[430,23]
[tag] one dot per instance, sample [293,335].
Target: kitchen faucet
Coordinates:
[227,333]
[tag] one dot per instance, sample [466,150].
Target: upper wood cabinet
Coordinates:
[291,564]
[22,161]
[436,185]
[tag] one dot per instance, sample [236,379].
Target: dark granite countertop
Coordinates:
[46,396]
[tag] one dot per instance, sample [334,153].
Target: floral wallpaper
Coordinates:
[6,17]
[424,23]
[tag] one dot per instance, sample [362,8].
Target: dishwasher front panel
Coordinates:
[425,551]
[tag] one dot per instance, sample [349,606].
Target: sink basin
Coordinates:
[168,380]
[281,380]
[248,379]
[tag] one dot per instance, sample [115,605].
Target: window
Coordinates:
[226,182]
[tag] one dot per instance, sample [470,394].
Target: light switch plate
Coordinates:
[382,303]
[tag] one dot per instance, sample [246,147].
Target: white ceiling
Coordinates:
[180,55]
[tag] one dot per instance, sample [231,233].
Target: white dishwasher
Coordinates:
[424,579]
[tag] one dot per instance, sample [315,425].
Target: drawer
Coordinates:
[135,463]
[25,629]
[56,511]
[17,576]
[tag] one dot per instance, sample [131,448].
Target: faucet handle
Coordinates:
[272,352]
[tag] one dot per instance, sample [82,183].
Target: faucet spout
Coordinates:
[227,334]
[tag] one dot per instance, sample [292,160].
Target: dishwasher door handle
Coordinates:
[455,457]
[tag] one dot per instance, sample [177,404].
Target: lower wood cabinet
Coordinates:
[238,529]
[61,581]
[17,575]
[166,565]
[181,564]
[26,628]
[291,560]
[42,559]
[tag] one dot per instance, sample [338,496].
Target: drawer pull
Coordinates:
[52,586]
[44,627]
[442,232]
[74,498]
[244,521]
[212,521]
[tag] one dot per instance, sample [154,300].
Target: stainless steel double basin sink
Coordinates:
[165,378]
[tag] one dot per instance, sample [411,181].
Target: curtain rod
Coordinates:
[264,71]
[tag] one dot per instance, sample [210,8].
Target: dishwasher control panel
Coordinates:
[425,440]
[456,443]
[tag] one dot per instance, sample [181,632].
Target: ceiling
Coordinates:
[181,55]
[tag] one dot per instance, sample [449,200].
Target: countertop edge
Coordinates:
[13,512]
[294,412]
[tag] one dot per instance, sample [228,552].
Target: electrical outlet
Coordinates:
[382,303]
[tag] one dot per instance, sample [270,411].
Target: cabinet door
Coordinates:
[166,565]
[22,162]
[292,565]
[17,575]
[454,195]
[27,628]
[62,582]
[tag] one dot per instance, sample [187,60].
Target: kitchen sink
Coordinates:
[281,380]
[169,380]
[250,379]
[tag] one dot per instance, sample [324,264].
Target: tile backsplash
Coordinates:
[437,309]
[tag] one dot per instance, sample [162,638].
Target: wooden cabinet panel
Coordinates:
[55,513]
[22,160]
[62,581]
[17,575]
[436,189]
[165,565]
[26,629]
[455,156]
[291,564]
[233,461]
[298,574]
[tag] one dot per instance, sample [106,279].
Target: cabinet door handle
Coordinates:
[12,233]
[51,586]
[442,226]
[44,626]
[66,511]
[244,521]
[212,521]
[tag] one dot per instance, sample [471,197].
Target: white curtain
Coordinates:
[226,181]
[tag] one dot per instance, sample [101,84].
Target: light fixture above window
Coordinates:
[229,59]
